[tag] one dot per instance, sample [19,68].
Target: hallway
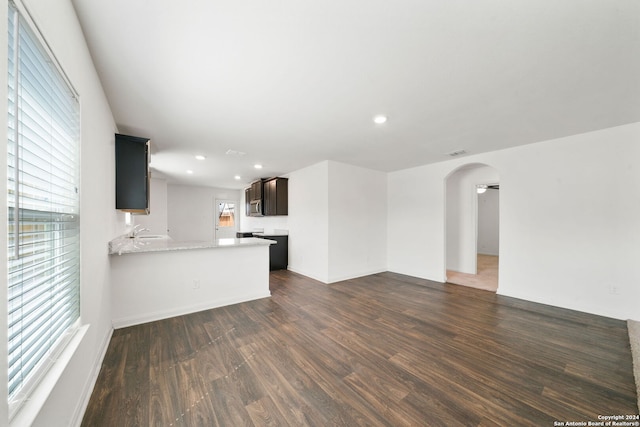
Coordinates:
[486,279]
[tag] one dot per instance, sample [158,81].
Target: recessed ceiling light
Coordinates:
[237,177]
[200,157]
[190,172]
[257,166]
[380,119]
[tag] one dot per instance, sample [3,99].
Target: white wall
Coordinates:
[157,285]
[461,215]
[309,221]
[191,213]
[337,221]
[357,221]
[569,229]
[415,227]
[489,222]
[156,221]
[99,219]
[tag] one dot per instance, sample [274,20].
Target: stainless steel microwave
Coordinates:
[255,208]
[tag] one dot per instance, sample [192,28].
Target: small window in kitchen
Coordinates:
[43,241]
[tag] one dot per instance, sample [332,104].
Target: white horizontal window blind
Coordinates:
[43,219]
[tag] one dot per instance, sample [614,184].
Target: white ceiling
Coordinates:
[294,82]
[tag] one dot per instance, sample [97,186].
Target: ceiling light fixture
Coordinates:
[481,188]
[257,166]
[200,157]
[380,119]
[190,172]
[237,177]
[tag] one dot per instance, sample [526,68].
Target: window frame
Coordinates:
[24,22]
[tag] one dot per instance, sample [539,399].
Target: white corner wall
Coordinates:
[99,221]
[569,228]
[191,211]
[337,221]
[309,221]
[357,221]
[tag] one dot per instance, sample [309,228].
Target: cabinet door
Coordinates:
[276,196]
[270,197]
[132,174]
[256,190]
[282,196]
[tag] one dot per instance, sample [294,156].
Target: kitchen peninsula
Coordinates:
[155,277]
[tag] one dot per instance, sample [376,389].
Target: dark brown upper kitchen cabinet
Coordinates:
[247,201]
[132,174]
[255,191]
[276,196]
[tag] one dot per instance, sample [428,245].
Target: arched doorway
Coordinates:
[472,226]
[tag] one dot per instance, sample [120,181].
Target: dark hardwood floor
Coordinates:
[383,350]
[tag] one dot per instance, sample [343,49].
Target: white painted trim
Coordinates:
[311,276]
[341,278]
[356,275]
[26,415]
[87,390]
[165,314]
[605,309]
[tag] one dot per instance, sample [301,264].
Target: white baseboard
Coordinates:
[306,274]
[87,390]
[338,278]
[356,275]
[123,322]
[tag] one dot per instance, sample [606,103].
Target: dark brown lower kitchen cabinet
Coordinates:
[278,252]
[275,193]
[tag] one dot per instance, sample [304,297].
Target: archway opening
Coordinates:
[472,226]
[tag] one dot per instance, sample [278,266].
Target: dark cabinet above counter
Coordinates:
[255,191]
[268,197]
[132,174]
[275,196]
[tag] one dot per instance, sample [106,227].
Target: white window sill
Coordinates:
[30,409]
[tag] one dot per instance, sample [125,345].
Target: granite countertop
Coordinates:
[125,245]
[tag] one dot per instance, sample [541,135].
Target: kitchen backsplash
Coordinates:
[266,223]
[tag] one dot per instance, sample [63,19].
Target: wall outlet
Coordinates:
[196,284]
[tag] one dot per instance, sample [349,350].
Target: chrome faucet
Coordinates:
[136,230]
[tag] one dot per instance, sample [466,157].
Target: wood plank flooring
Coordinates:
[383,350]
